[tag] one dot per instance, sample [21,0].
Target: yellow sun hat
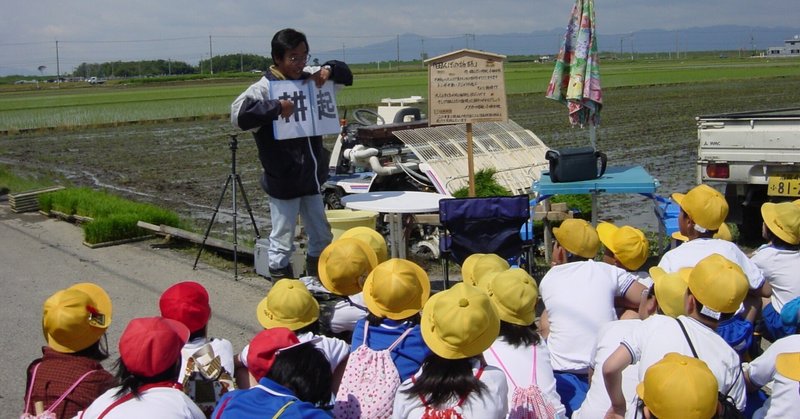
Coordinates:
[396,289]
[670,288]
[75,318]
[343,263]
[704,205]
[578,237]
[374,239]
[783,220]
[628,244]
[679,387]
[459,322]
[514,294]
[288,304]
[478,265]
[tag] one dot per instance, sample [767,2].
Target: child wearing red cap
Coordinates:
[188,303]
[293,378]
[149,359]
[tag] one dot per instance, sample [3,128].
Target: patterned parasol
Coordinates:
[576,76]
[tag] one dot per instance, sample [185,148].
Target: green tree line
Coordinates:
[127,69]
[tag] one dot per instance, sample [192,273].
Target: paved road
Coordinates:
[39,256]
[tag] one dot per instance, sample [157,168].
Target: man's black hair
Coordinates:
[304,370]
[286,39]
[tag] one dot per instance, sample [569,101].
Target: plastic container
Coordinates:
[342,220]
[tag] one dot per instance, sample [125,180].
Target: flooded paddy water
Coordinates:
[184,165]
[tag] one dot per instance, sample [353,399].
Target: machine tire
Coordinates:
[332,198]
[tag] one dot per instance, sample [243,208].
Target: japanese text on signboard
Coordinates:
[314,109]
[467,89]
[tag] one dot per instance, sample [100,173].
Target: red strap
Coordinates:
[222,407]
[129,396]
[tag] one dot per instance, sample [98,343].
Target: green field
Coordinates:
[74,105]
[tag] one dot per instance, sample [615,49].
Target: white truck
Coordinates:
[754,157]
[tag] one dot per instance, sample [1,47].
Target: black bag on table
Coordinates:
[576,164]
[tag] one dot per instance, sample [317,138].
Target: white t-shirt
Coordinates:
[579,299]
[222,348]
[347,313]
[491,404]
[596,403]
[688,254]
[780,268]
[518,363]
[785,399]
[335,350]
[659,335]
[158,402]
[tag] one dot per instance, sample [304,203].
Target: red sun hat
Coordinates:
[186,302]
[151,345]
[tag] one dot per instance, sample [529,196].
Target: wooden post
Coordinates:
[470,162]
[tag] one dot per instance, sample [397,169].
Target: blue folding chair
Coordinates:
[500,225]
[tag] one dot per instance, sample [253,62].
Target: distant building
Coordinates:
[790,48]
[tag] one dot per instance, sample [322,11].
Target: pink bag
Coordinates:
[369,383]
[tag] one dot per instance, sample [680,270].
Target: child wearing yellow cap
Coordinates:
[784,375]
[716,288]
[779,260]
[458,324]
[579,298]
[74,322]
[343,268]
[678,387]
[664,296]
[394,293]
[289,304]
[519,350]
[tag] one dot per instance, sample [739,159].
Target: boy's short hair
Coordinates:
[284,40]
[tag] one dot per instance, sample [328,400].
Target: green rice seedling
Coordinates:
[113,228]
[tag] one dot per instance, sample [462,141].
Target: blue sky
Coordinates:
[94,31]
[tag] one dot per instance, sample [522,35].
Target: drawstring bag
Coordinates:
[527,402]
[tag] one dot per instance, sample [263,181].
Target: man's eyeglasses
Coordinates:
[299,58]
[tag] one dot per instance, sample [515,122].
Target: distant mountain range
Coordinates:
[710,38]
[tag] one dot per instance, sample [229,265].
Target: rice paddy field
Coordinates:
[168,144]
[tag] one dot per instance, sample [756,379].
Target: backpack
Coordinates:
[527,402]
[369,382]
[205,379]
[47,414]
[452,412]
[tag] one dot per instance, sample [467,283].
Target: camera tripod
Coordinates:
[234,180]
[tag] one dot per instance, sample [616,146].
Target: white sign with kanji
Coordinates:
[314,109]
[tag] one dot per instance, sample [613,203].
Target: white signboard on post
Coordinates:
[315,110]
[466,86]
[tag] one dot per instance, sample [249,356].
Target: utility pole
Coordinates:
[58,65]
[398,52]
[210,56]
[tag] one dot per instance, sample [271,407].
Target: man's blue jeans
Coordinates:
[284,213]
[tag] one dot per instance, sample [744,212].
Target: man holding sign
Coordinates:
[294,170]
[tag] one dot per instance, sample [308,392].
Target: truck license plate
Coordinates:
[787,185]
